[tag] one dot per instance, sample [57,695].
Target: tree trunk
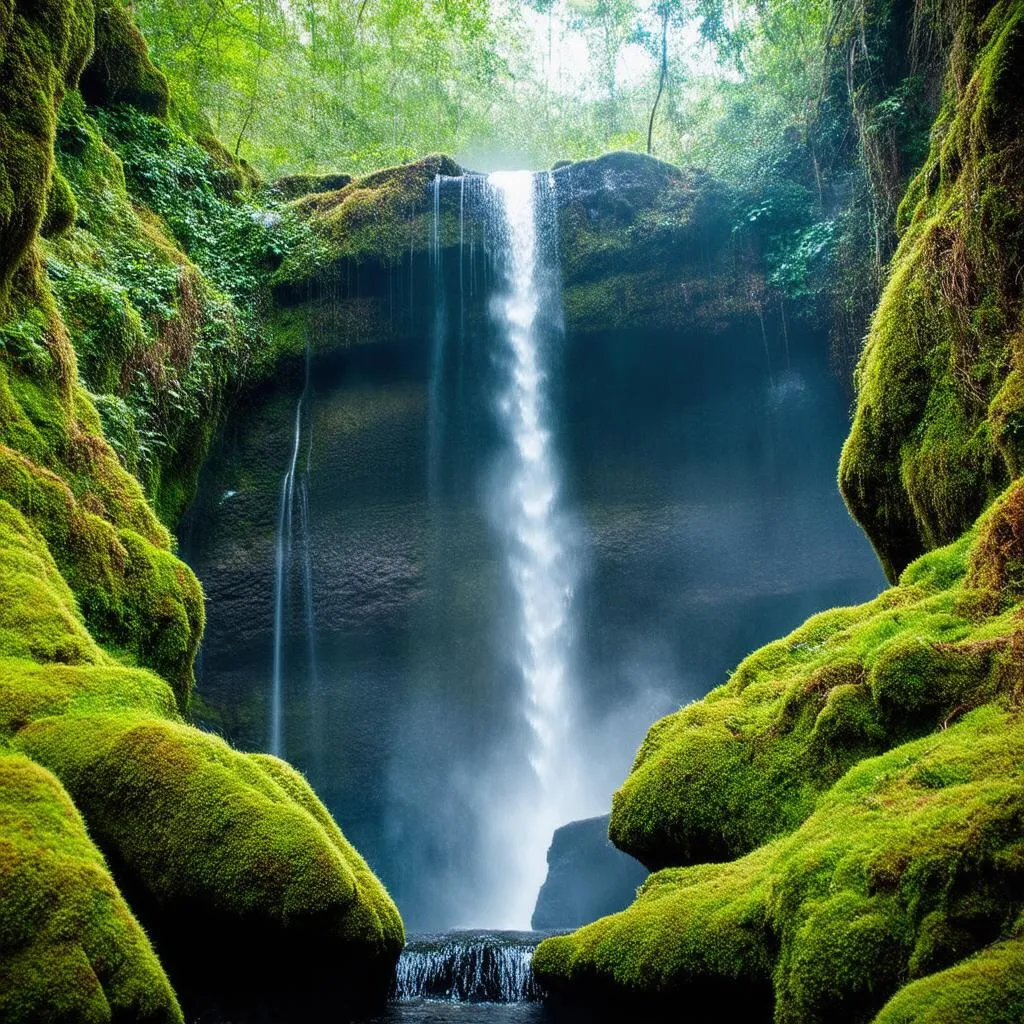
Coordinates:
[661,79]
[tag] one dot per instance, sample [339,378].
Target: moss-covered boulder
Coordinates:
[194,829]
[238,840]
[939,427]
[295,186]
[377,218]
[70,949]
[909,864]
[750,761]
[120,70]
[987,988]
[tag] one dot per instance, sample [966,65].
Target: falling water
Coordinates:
[282,565]
[436,412]
[534,529]
[493,967]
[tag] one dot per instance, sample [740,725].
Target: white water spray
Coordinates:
[537,541]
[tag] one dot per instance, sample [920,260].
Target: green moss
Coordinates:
[163,335]
[830,918]
[750,761]
[234,175]
[133,593]
[294,186]
[192,824]
[120,70]
[379,217]
[61,208]
[70,949]
[986,989]
[197,823]
[937,432]
[43,45]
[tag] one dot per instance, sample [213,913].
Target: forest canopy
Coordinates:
[306,85]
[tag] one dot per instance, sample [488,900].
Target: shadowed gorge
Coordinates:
[403,406]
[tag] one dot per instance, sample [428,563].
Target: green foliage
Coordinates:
[163,335]
[177,179]
[799,263]
[22,340]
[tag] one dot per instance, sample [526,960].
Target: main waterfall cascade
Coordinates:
[517,211]
[537,533]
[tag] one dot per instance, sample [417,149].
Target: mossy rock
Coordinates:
[193,828]
[120,70]
[987,988]
[61,207]
[161,345]
[377,218]
[642,241]
[70,949]
[235,174]
[828,922]
[295,186]
[939,424]
[43,46]
[134,594]
[749,762]
[240,839]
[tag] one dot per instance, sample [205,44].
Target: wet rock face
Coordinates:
[640,241]
[587,877]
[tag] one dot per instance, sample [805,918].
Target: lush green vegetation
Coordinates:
[839,824]
[749,761]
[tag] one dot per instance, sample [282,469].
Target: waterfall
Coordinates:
[282,567]
[534,529]
[436,417]
[492,967]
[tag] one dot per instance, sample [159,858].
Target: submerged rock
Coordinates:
[587,877]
